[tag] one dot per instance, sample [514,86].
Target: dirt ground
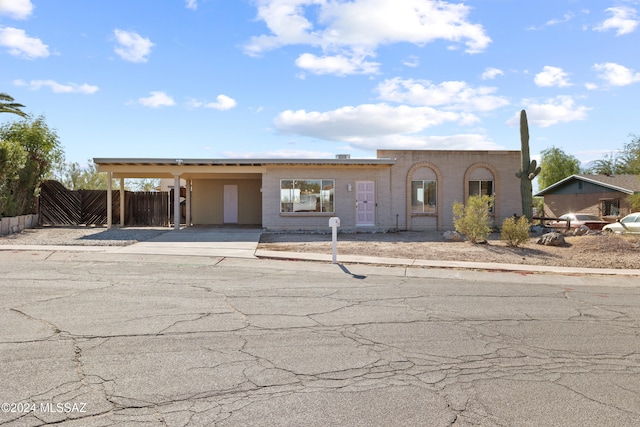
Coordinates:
[596,251]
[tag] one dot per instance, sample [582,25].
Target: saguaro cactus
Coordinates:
[529,169]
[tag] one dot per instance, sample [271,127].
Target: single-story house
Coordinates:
[397,190]
[601,195]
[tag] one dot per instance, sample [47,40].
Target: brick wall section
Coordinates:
[344,200]
[393,189]
[453,166]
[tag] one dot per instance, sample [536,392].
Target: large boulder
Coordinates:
[452,236]
[551,239]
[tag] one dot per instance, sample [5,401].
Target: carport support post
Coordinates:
[188,203]
[109,199]
[176,202]
[121,202]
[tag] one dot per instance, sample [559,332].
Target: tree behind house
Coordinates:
[75,176]
[556,165]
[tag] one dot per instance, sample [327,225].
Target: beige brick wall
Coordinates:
[344,200]
[393,185]
[454,168]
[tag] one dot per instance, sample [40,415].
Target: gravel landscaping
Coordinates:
[83,236]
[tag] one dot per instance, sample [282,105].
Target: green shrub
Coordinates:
[473,220]
[515,232]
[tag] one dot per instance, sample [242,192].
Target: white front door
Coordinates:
[230,204]
[365,203]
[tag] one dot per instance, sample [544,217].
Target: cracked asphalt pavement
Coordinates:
[95,339]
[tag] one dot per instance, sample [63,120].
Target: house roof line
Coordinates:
[238,162]
[586,179]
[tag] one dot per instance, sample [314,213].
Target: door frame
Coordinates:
[371,201]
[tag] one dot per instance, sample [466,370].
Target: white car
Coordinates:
[628,224]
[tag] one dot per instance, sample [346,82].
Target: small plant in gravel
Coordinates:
[473,220]
[515,231]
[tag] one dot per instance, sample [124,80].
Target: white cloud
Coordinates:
[375,126]
[157,100]
[16,9]
[616,74]
[492,73]
[56,87]
[411,61]
[624,20]
[279,154]
[451,95]
[552,76]
[192,4]
[363,122]
[19,44]
[437,142]
[223,102]
[338,64]
[357,28]
[561,109]
[565,18]
[131,46]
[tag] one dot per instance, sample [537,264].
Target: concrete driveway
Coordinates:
[236,242]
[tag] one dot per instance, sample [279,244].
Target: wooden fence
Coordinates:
[60,206]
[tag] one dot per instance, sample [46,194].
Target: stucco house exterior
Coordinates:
[397,190]
[601,195]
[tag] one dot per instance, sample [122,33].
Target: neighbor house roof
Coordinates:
[628,184]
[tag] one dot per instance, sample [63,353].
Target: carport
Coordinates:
[227,191]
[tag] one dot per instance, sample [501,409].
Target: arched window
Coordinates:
[424,191]
[480,180]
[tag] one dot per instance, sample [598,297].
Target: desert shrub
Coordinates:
[515,231]
[473,220]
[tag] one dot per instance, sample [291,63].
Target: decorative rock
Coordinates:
[581,231]
[551,239]
[538,229]
[452,236]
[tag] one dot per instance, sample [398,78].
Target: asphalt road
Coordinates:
[94,339]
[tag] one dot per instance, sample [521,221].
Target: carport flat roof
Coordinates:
[237,162]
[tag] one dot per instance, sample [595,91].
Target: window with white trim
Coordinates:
[307,195]
[424,196]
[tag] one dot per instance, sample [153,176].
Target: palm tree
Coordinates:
[8,106]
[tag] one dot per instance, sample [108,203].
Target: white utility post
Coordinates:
[334,223]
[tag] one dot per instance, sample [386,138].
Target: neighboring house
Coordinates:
[601,195]
[398,190]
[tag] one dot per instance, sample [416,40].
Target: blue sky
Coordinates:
[314,78]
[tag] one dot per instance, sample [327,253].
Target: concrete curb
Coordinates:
[229,252]
[405,262]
